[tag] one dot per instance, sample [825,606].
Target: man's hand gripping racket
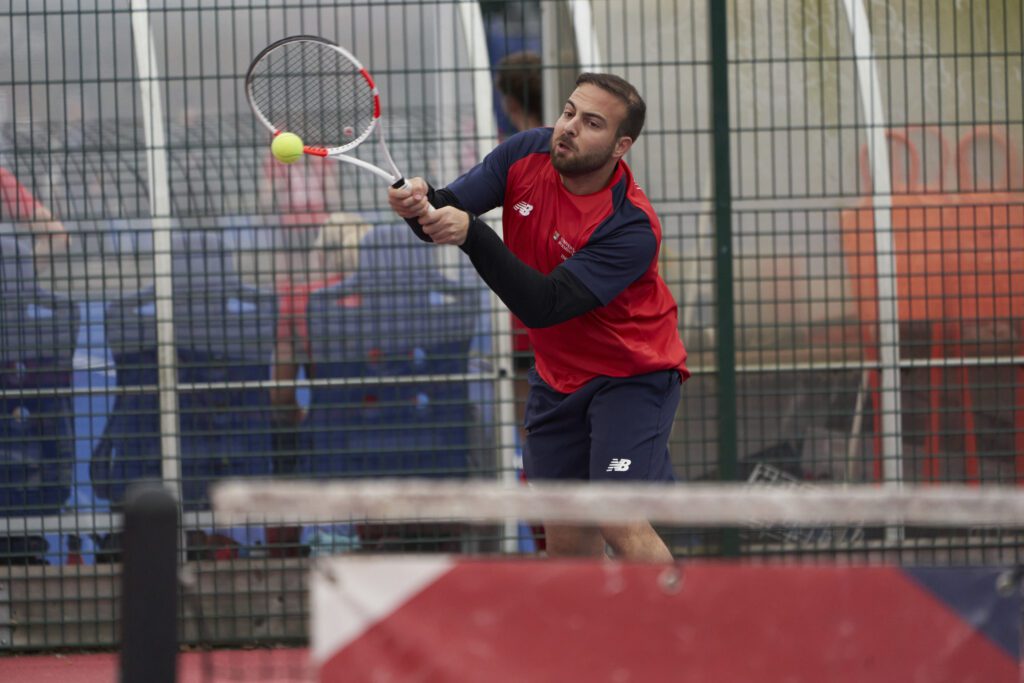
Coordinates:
[319,91]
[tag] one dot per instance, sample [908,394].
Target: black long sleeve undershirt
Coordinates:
[538,300]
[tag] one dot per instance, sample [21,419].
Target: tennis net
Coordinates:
[470,616]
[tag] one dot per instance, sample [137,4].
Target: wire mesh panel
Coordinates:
[178,306]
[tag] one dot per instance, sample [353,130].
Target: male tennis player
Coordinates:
[579,267]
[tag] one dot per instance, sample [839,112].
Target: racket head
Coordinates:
[316,89]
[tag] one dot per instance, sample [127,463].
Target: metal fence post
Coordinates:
[722,201]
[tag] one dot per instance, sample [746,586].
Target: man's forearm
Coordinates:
[538,300]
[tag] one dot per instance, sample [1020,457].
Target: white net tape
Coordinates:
[673,504]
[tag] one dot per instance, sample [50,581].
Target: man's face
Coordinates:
[586,134]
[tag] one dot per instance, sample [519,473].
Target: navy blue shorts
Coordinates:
[612,428]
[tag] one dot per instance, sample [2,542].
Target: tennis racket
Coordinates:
[318,90]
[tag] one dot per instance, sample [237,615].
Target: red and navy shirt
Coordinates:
[609,240]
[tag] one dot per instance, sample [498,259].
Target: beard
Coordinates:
[573,164]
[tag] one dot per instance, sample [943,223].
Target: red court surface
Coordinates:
[248,665]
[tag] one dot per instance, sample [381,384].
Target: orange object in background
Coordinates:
[959,258]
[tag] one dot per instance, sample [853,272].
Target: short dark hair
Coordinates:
[519,77]
[636,108]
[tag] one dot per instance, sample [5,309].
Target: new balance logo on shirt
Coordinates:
[619,465]
[523,208]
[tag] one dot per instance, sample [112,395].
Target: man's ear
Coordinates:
[622,146]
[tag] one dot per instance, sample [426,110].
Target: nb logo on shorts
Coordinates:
[619,465]
[523,208]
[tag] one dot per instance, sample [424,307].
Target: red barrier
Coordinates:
[435,619]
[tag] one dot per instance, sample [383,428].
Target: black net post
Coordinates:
[149,597]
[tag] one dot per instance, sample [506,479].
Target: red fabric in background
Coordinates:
[17,202]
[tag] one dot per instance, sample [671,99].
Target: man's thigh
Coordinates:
[558,441]
[612,428]
[630,423]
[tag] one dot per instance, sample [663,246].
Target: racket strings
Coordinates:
[314,91]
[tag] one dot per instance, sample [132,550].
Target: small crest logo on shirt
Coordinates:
[619,465]
[563,244]
[523,208]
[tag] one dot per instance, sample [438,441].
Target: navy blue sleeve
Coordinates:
[618,253]
[482,188]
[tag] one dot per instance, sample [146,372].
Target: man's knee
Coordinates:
[638,542]
[573,541]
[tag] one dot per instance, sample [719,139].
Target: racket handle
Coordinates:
[403,184]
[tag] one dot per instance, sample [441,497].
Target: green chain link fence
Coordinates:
[840,187]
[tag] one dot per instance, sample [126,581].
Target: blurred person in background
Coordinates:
[25,218]
[30,218]
[333,255]
[520,84]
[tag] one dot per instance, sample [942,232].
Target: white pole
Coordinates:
[586,38]
[153,121]
[888,312]
[487,137]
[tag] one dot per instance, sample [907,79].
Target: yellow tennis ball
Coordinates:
[287,148]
